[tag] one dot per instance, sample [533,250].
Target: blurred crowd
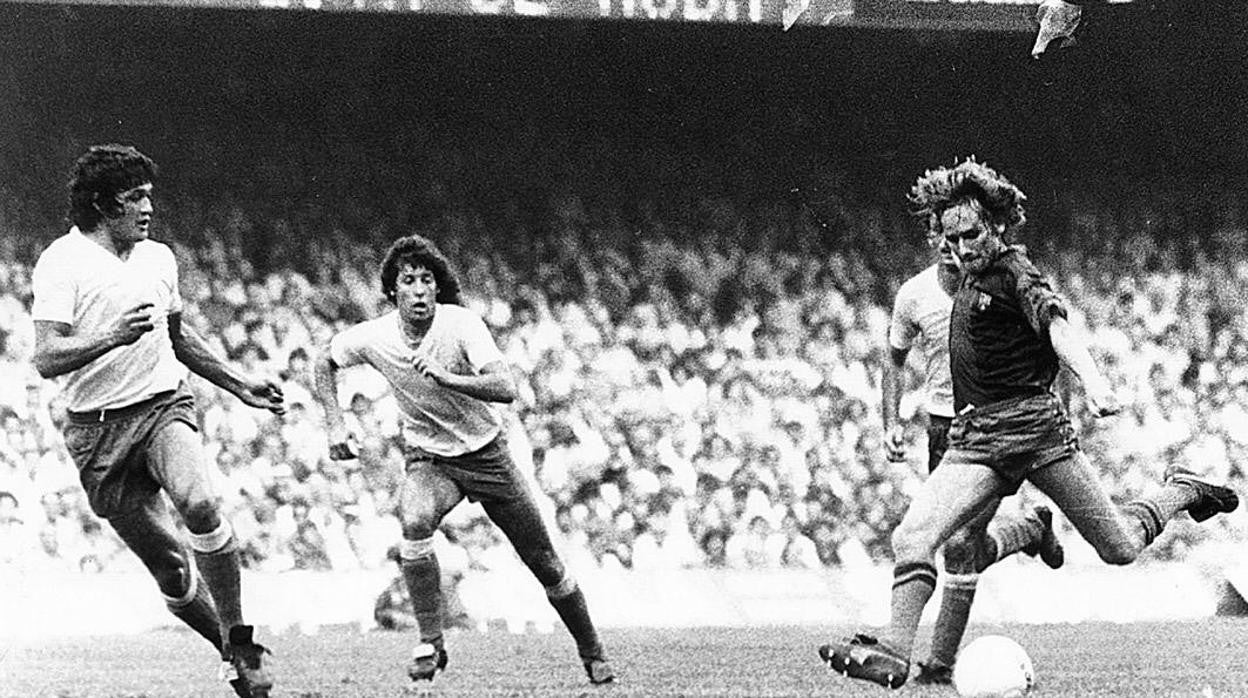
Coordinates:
[699,378]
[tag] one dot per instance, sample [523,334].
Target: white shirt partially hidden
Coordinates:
[921,318]
[79,283]
[439,420]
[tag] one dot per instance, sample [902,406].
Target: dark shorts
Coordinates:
[487,474]
[111,450]
[1013,437]
[937,439]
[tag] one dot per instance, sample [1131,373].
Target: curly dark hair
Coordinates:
[99,175]
[420,252]
[969,180]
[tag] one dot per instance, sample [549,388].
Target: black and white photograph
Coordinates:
[742,348]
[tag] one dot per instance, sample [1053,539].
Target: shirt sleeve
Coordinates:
[175,293]
[903,328]
[53,289]
[347,347]
[479,344]
[1039,302]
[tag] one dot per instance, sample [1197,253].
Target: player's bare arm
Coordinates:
[894,432]
[1072,351]
[193,351]
[60,350]
[342,443]
[493,384]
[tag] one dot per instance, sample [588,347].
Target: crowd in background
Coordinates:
[699,377]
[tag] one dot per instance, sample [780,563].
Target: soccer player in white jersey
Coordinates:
[108,319]
[920,319]
[447,375]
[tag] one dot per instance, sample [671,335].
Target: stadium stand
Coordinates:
[700,376]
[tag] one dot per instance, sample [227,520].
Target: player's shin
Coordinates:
[216,556]
[955,609]
[569,602]
[195,607]
[423,577]
[913,584]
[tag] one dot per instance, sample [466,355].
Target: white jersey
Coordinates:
[439,420]
[921,318]
[78,282]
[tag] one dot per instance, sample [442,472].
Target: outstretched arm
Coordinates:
[1072,350]
[193,351]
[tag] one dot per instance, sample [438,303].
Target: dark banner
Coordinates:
[992,15]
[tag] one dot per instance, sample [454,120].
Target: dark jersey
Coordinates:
[999,332]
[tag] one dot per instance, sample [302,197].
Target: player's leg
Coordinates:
[1119,534]
[952,496]
[989,538]
[425,497]
[964,558]
[517,515]
[175,457]
[148,531]
[122,491]
[960,580]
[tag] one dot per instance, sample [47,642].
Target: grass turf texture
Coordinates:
[1145,659]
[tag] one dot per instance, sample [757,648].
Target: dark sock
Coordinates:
[955,609]
[574,613]
[199,612]
[913,584]
[220,570]
[1010,534]
[1149,516]
[423,576]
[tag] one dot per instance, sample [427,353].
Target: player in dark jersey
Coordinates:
[1008,337]
[920,319]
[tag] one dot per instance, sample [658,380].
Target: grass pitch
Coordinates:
[1206,658]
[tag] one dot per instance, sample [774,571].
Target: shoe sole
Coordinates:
[828,655]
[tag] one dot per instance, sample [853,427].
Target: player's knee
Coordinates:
[912,543]
[547,567]
[563,588]
[177,584]
[1119,554]
[418,528]
[202,514]
[962,553]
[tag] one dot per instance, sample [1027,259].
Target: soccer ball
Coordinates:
[993,666]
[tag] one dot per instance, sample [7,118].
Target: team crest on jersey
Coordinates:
[982,301]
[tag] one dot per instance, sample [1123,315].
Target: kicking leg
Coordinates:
[425,497]
[1119,534]
[520,520]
